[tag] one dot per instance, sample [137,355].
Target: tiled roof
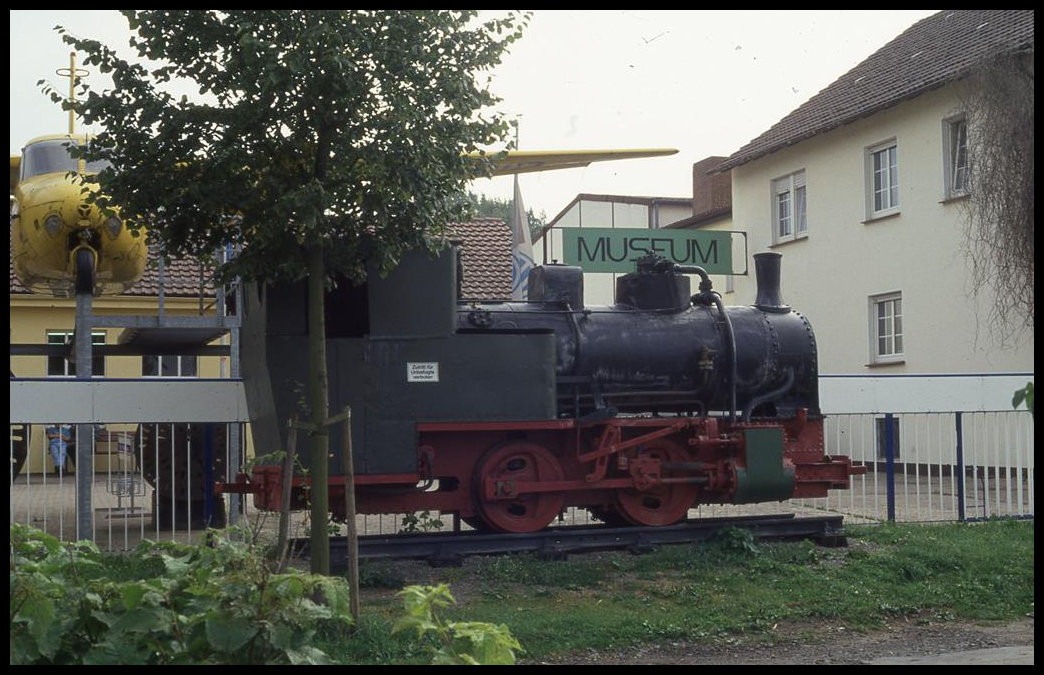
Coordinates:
[486,258]
[16,286]
[933,52]
[181,279]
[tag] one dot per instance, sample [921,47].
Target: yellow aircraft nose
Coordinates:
[55,202]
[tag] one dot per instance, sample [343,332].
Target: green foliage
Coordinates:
[321,144]
[458,642]
[380,574]
[491,207]
[164,603]
[1024,395]
[339,129]
[423,521]
[736,539]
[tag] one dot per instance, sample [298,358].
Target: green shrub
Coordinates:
[1024,395]
[458,642]
[164,603]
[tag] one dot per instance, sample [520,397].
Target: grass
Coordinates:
[726,588]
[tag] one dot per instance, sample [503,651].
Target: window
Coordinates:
[883,171]
[59,366]
[882,437]
[955,150]
[886,332]
[52,157]
[168,366]
[788,208]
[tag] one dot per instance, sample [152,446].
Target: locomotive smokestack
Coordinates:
[766,273]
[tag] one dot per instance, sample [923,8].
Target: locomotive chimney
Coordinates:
[766,273]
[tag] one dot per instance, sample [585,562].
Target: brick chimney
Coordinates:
[710,192]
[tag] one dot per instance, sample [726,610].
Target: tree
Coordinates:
[1024,395]
[997,101]
[320,142]
[492,207]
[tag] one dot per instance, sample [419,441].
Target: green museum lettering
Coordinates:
[616,250]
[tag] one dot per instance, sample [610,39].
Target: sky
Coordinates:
[704,82]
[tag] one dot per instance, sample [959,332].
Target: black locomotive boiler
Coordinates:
[506,413]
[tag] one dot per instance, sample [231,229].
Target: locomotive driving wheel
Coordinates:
[660,503]
[503,468]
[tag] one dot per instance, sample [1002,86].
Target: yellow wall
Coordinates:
[33,316]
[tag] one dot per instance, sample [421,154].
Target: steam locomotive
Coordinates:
[507,413]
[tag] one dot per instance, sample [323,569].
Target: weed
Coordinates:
[457,642]
[380,575]
[422,521]
[737,540]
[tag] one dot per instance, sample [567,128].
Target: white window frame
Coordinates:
[179,365]
[956,164]
[789,208]
[882,184]
[887,337]
[68,367]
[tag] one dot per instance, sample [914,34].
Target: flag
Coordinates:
[522,248]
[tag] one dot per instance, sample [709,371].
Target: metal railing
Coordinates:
[925,467]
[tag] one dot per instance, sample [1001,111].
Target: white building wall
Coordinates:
[830,276]
[671,213]
[622,215]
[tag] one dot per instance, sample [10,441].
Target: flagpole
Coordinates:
[522,245]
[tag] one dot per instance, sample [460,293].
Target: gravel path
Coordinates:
[908,643]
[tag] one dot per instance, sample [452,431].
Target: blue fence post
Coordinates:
[960,467]
[890,466]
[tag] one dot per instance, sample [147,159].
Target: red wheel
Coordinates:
[659,504]
[502,469]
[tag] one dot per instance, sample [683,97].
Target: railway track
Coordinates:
[450,548]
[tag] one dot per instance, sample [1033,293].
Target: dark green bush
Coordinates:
[164,603]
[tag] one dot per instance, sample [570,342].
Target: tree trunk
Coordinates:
[318,406]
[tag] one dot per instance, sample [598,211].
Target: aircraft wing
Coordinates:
[16,163]
[528,161]
[515,161]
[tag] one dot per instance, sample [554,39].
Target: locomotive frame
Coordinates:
[508,413]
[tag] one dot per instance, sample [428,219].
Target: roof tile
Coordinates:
[933,52]
[486,258]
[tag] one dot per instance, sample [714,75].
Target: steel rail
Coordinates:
[450,548]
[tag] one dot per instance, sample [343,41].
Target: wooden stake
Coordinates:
[349,519]
[288,479]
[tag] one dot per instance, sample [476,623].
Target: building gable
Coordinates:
[935,51]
